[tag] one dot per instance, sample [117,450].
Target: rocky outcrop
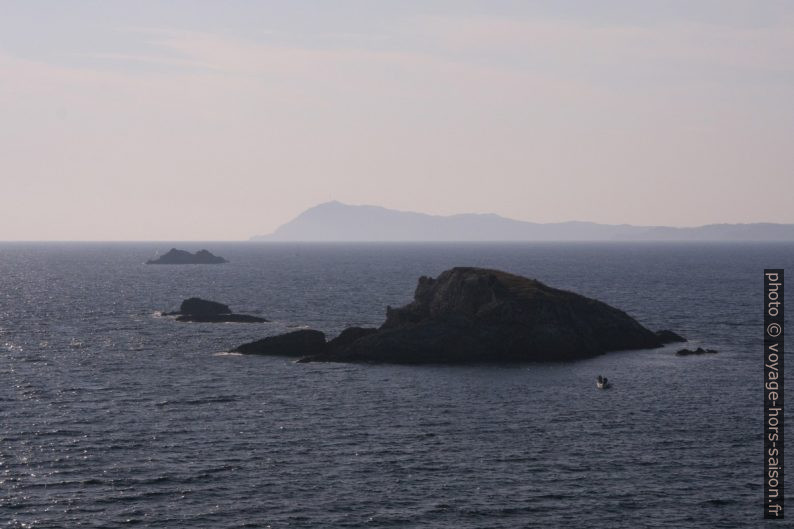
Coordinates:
[669,337]
[203,307]
[698,351]
[348,336]
[178,257]
[205,311]
[304,342]
[477,315]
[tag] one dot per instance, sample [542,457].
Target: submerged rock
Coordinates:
[174,256]
[205,311]
[296,343]
[698,351]
[477,315]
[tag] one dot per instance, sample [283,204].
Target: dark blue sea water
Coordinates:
[111,416]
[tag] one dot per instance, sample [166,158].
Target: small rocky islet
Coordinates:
[698,351]
[476,315]
[205,311]
[183,257]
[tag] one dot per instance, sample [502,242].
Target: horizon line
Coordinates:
[407,241]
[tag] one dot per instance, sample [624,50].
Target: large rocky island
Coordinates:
[469,315]
[181,257]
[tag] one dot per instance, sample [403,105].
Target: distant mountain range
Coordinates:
[334,221]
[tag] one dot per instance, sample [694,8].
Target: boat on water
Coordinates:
[602,382]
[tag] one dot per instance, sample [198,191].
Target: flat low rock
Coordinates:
[205,311]
[304,342]
[203,307]
[221,318]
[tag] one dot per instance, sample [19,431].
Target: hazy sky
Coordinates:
[221,120]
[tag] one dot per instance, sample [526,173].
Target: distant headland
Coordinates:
[180,257]
[334,221]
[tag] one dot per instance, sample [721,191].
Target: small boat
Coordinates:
[602,382]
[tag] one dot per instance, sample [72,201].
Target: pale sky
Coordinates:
[205,120]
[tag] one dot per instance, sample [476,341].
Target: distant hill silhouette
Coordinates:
[334,221]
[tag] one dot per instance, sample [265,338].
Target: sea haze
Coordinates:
[113,415]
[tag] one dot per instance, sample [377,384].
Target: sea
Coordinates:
[113,415]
